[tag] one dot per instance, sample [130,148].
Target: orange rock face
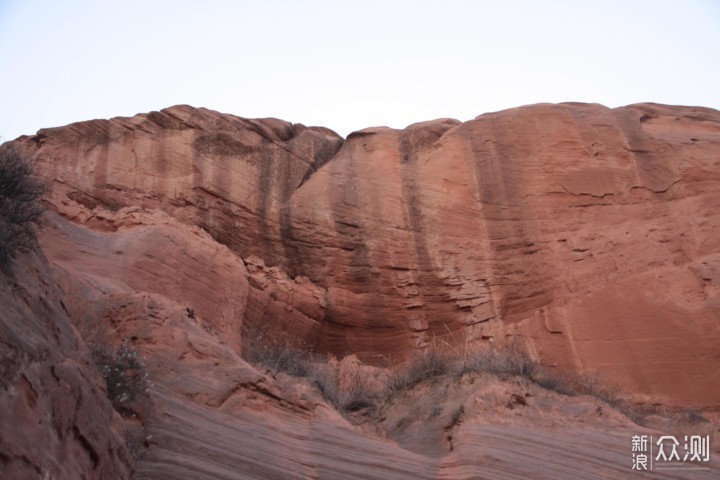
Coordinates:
[580,229]
[590,235]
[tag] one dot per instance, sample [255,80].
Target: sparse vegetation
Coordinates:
[434,363]
[20,206]
[282,356]
[573,384]
[350,393]
[326,379]
[278,354]
[355,391]
[508,359]
[123,370]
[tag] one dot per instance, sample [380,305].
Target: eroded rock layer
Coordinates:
[55,418]
[589,234]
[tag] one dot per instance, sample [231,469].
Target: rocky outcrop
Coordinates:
[587,233]
[228,175]
[55,418]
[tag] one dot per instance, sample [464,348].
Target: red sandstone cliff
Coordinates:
[590,235]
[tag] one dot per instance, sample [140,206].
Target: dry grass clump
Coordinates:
[347,393]
[279,355]
[358,389]
[432,364]
[574,384]
[507,359]
[325,377]
[436,362]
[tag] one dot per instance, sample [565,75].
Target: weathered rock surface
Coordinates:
[55,418]
[154,254]
[208,414]
[591,234]
[583,230]
[227,175]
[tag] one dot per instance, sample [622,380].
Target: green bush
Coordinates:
[20,206]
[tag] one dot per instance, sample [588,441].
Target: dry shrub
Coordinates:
[20,207]
[347,393]
[512,360]
[352,393]
[294,358]
[357,391]
[433,364]
[437,362]
[508,359]
[123,370]
[325,378]
[574,384]
[277,354]
[284,358]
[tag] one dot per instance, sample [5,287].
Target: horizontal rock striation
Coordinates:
[588,234]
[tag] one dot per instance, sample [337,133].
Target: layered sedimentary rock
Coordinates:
[588,234]
[591,233]
[228,175]
[206,413]
[55,418]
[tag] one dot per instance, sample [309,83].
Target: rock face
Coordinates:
[588,234]
[228,175]
[581,229]
[55,419]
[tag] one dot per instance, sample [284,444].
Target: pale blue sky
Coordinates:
[348,65]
